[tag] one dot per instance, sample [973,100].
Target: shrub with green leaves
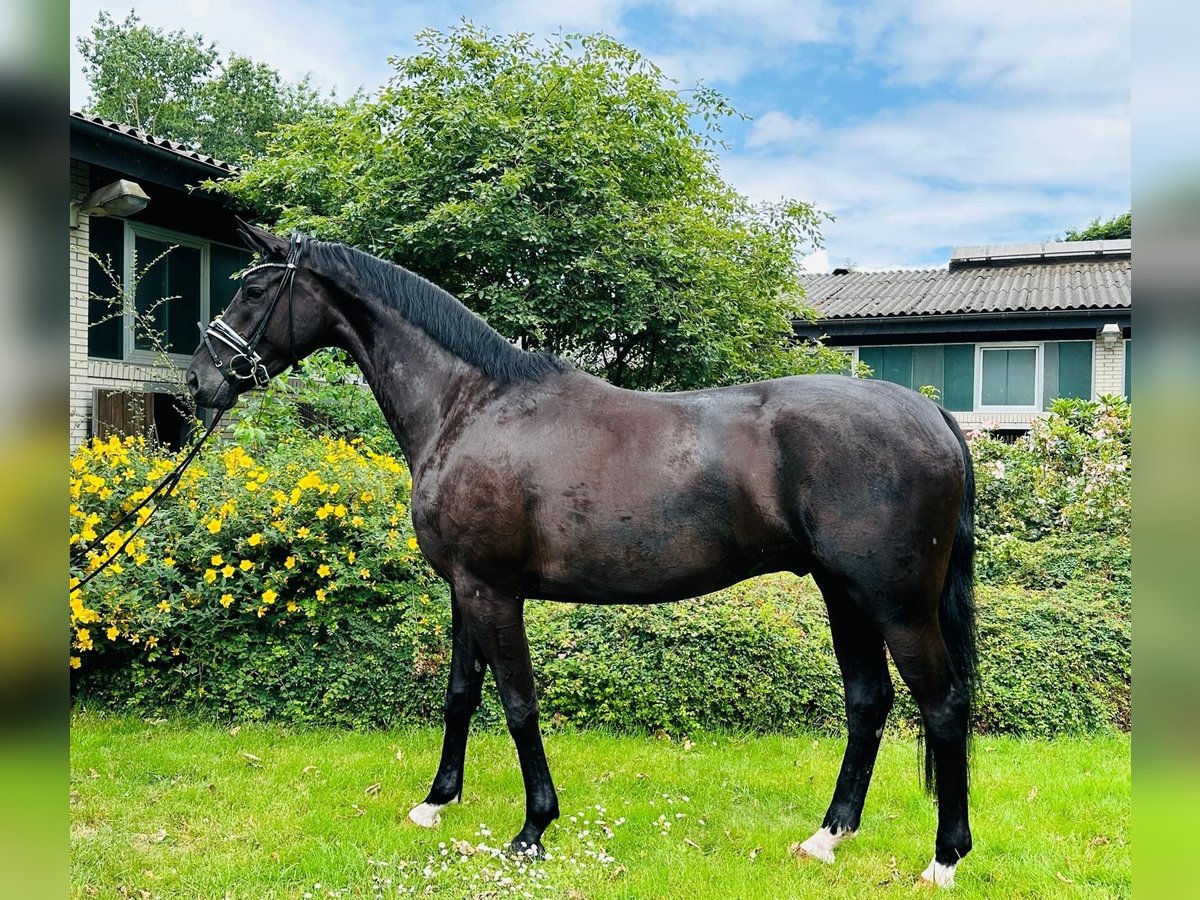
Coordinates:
[1055,506]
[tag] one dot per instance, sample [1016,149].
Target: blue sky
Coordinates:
[919,124]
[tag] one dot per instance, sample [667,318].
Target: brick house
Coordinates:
[134,203]
[1000,332]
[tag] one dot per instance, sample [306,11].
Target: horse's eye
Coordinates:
[254,292]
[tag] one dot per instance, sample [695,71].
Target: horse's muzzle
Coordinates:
[217,394]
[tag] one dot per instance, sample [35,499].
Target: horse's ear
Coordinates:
[263,242]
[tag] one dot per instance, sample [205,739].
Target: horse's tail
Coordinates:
[956,611]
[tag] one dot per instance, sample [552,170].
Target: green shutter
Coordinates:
[873,357]
[948,367]
[958,393]
[898,365]
[928,367]
[1074,369]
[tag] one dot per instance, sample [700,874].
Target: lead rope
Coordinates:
[162,491]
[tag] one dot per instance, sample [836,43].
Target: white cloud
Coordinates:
[708,63]
[768,22]
[777,127]
[1078,48]
[541,18]
[885,220]
[1020,131]
[1050,145]
[817,263]
[721,43]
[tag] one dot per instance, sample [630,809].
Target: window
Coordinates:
[180,280]
[1008,377]
[165,270]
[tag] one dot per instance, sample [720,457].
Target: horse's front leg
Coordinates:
[462,699]
[496,620]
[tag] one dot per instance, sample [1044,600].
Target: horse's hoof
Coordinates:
[937,875]
[427,815]
[819,846]
[520,847]
[799,851]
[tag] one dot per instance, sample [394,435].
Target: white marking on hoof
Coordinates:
[427,815]
[938,874]
[821,845]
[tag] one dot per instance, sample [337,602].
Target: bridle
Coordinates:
[246,364]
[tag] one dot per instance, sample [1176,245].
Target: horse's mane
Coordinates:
[437,312]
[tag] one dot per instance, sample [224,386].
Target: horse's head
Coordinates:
[273,321]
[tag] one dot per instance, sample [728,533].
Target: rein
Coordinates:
[162,490]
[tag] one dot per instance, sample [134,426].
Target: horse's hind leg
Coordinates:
[859,647]
[920,654]
[462,699]
[497,622]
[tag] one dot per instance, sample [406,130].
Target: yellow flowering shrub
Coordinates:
[257,563]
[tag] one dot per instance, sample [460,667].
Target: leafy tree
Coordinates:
[143,77]
[1119,226]
[563,192]
[175,85]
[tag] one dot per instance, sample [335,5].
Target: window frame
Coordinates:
[1039,362]
[130,353]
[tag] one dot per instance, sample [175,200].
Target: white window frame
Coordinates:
[1038,375]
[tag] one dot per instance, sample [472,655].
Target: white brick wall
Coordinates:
[974,421]
[81,392]
[1108,373]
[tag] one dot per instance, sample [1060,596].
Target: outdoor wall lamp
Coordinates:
[121,198]
[1110,334]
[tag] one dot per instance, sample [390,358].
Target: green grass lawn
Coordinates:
[171,809]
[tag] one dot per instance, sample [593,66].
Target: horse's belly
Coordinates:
[651,566]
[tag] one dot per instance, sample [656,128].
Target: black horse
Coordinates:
[532,479]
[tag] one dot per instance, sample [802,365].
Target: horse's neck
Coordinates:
[415,380]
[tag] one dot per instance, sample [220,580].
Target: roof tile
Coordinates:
[1048,286]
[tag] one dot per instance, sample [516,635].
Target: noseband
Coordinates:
[246,364]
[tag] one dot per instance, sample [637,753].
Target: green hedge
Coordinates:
[338,621]
[757,657]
